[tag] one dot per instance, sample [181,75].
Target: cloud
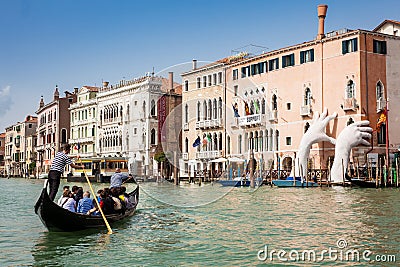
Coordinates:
[5,100]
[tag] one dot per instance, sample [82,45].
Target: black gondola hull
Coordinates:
[57,219]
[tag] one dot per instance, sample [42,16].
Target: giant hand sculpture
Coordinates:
[351,136]
[316,133]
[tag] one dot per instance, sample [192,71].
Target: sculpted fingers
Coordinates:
[366,135]
[365,143]
[361,123]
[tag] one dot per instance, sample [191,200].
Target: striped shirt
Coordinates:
[60,161]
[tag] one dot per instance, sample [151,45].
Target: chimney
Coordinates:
[105,84]
[321,21]
[56,93]
[41,104]
[171,81]
[76,90]
[194,64]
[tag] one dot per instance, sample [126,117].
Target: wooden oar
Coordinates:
[95,198]
[134,181]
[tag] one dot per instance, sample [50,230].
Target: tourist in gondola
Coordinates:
[69,201]
[85,204]
[57,168]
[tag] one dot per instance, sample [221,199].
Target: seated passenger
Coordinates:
[85,204]
[69,201]
[65,188]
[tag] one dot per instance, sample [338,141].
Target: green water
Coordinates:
[210,226]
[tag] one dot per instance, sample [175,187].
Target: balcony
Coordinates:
[185,156]
[273,115]
[305,111]
[40,148]
[209,154]
[251,120]
[213,123]
[90,139]
[350,104]
[186,126]
[380,105]
[235,123]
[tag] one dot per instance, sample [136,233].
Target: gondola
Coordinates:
[57,219]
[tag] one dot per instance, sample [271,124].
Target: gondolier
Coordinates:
[57,168]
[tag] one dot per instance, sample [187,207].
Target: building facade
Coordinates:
[19,154]
[2,154]
[269,100]
[53,128]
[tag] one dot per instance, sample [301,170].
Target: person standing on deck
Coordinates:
[116,178]
[57,168]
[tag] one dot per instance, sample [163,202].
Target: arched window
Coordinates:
[251,141]
[186,145]
[350,89]
[220,141]
[215,108]
[198,111]
[261,141]
[255,141]
[228,145]
[220,107]
[240,144]
[204,110]
[63,136]
[153,108]
[271,140]
[263,106]
[274,103]
[277,139]
[153,137]
[379,91]
[144,109]
[186,113]
[215,142]
[209,109]
[307,97]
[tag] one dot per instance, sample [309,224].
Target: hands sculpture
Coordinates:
[316,133]
[351,136]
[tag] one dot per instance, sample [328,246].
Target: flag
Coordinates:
[209,137]
[205,141]
[77,146]
[246,108]
[382,119]
[197,141]
[235,110]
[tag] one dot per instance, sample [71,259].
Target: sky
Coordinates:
[72,43]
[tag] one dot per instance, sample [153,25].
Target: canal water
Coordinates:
[213,226]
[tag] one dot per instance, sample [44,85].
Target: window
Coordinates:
[240,144]
[379,91]
[153,137]
[228,140]
[274,102]
[274,64]
[209,80]
[288,141]
[134,130]
[307,97]
[219,77]
[63,136]
[214,79]
[204,81]
[349,46]
[186,145]
[186,113]
[235,74]
[235,89]
[380,47]
[288,106]
[288,61]
[198,111]
[153,108]
[186,86]
[198,82]
[382,134]
[306,56]
[350,92]
[245,71]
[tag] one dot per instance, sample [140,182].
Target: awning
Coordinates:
[218,160]
[235,159]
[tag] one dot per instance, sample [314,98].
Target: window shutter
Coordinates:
[292,60]
[384,51]
[354,43]
[277,63]
[302,57]
[344,47]
[375,44]
[312,54]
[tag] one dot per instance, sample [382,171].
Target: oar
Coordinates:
[95,198]
[134,181]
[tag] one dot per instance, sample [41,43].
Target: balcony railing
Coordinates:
[209,154]
[350,104]
[213,123]
[380,104]
[185,156]
[90,139]
[305,110]
[251,120]
[235,123]
[273,115]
